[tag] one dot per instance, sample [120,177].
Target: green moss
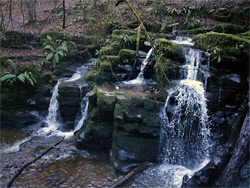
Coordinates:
[105,66]
[221,28]
[166,70]
[127,56]
[112,59]
[108,51]
[245,33]
[167,48]
[225,48]
[91,76]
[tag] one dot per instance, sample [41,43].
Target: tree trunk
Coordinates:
[64,15]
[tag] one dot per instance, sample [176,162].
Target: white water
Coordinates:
[15,147]
[139,80]
[83,114]
[53,119]
[180,40]
[185,125]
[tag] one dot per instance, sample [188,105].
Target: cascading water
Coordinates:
[185,125]
[53,119]
[183,41]
[139,80]
[83,113]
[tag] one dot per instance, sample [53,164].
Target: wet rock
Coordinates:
[70,96]
[18,119]
[128,125]
[44,124]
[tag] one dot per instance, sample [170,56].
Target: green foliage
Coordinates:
[16,75]
[53,52]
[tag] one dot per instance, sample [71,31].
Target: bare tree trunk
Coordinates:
[64,15]
[31,6]
[10,13]
[2,17]
[21,3]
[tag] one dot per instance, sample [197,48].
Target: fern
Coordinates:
[12,78]
[53,52]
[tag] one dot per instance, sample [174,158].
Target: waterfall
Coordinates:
[83,113]
[53,119]
[181,40]
[185,124]
[140,78]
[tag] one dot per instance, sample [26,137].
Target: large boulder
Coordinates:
[70,96]
[125,121]
[168,59]
[228,51]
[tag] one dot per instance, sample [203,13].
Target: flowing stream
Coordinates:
[63,166]
[184,135]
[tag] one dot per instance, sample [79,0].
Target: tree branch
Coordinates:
[31,162]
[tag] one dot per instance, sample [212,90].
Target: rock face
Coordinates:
[125,121]
[70,96]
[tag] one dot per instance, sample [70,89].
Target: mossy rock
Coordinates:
[169,49]
[91,76]
[127,57]
[105,66]
[109,51]
[112,59]
[228,51]
[166,70]
[20,40]
[129,42]
[106,103]
[221,28]
[93,98]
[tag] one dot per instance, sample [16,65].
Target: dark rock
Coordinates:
[129,125]
[44,124]
[14,118]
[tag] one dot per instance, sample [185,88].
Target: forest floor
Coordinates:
[95,18]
